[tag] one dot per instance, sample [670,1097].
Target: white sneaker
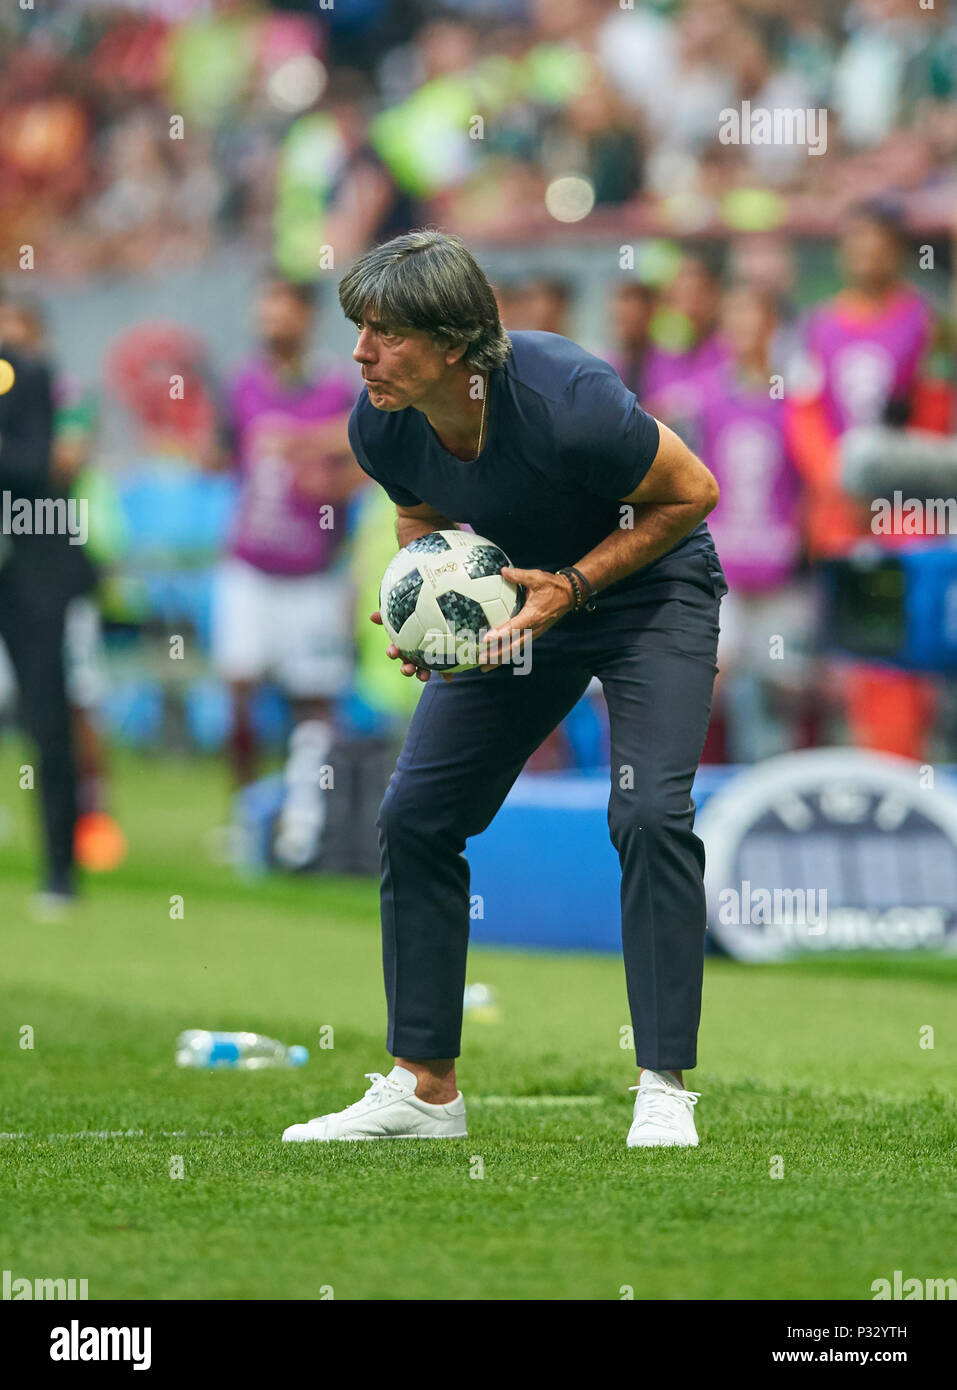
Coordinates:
[664,1113]
[388,1110]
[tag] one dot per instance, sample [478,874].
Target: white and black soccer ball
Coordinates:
[441,593]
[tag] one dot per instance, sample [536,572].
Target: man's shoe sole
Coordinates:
[665,1144]
[368,1138]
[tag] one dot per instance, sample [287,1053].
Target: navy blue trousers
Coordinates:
[466,744]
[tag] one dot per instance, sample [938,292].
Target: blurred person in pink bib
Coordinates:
[283,608]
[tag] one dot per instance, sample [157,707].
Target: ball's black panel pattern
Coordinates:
[484,559]
[431,662]
[462,614]
[519,601]
[429,544]
[402,598]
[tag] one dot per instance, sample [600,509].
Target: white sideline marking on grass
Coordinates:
[135,1134]
[256,1134]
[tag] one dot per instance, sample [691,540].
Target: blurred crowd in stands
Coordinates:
[764,391]
[769,395]
[140,136]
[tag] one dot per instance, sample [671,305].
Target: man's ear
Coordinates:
[454,352]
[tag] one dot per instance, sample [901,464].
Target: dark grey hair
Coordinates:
[430,281]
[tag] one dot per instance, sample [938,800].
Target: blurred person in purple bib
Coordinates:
[690,313]
[764,654]
[283,605]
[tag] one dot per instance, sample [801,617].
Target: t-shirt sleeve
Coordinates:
[399,495]
[605,442]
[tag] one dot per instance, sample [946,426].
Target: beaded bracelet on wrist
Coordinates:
[582,589]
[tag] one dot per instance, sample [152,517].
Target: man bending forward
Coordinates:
[540,448]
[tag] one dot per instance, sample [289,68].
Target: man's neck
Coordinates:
[455,413]
[754,367]
[876,296]
[287,364]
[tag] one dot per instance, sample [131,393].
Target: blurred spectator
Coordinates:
[768,263]
[541,305]
[335,193]
[598,137]
[768,88]
[688,343]
[891,60]
[767,617]
[159,374]
[632,308]
[867,351]
[508,294]
[33,601]
[283,606]
[423,135]
[99,841]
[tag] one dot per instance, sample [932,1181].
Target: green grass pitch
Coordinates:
[817,1065]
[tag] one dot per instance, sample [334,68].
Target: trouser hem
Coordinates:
[653,1064]
[421,1049]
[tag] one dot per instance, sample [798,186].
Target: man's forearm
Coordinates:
[658,526]
[409,528]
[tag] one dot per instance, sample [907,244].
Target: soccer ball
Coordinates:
[441,593]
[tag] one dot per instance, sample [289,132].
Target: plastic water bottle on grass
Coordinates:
[241,1051]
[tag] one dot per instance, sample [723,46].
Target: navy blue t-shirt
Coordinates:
[565,441]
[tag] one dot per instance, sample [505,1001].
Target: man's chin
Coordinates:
[383,400]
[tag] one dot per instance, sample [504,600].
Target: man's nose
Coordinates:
[363,351]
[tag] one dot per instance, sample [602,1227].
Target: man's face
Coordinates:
[543,309]
[747,323]
[400,366]
[695,294]
[284,321]
[870,254]
[632,317]
[18,328]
